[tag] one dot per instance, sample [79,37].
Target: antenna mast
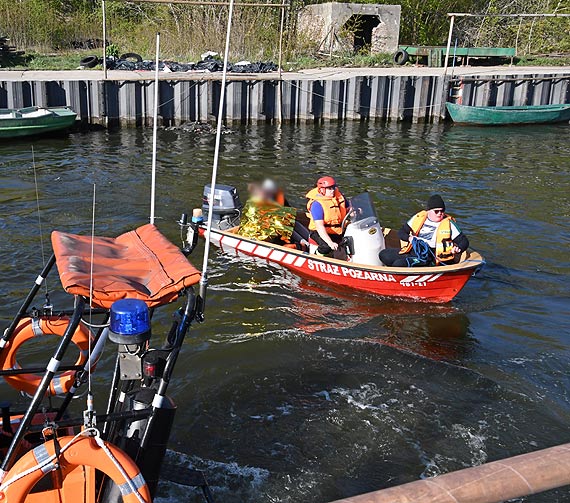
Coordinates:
[154,133]
[204,278]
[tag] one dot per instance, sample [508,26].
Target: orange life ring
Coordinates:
[82,452]
[28,329]
[25,445]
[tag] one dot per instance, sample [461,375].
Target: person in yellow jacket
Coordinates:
[326,209]
[434,227]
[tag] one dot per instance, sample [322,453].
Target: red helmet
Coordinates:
[326,181]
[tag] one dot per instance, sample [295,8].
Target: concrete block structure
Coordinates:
[351,27]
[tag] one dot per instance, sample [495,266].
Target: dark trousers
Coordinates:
[300,232]
[392,258]
[324,248]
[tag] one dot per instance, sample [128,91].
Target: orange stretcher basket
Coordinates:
[140,264]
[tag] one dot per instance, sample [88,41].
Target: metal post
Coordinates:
[454,58]
[154,134]
[451,22]
[517,40]
[104,40]
[220,119]
[111,403]
[89,365]
[160,395]
[280,83]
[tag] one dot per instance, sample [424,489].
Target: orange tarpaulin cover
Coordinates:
[140,264]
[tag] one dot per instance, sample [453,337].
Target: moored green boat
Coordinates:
[29,121]
[497,116]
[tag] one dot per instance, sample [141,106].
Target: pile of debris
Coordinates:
[210,62]
[90,43]
[9,56]
[199,128]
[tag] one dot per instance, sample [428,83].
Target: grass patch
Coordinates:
[543,60]
[69,60]
[340,60]
[55,61]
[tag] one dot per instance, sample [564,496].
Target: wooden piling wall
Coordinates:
[128,101]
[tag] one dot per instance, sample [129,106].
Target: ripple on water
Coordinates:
[291,391]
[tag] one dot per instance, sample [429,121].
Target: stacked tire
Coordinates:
[401,57]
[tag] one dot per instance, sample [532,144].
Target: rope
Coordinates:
[424,107]
[39,217]
[421,249]
[353,110]
[47,461]
[94,325]
[94,432]
[100,442]
[89,390]
[189,93]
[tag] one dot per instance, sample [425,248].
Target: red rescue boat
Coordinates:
[433,284]
[363,271]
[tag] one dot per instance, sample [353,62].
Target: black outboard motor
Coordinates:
[227,206]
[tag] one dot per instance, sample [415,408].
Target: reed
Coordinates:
[186,31]
[45,26]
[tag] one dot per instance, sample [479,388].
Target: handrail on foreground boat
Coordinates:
[43,386]
[140,264]
[493,482]
[27,302]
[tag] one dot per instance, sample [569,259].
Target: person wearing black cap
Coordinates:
[436,229]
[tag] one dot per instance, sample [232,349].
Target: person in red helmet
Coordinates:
[326,208]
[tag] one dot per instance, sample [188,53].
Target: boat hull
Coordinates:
[12,126]
[508,115]
[432,284]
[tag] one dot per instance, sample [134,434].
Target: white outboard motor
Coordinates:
[364,234]
[367,241]
[227,206]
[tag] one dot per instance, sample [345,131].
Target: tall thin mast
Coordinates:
[204,279]
[154,133]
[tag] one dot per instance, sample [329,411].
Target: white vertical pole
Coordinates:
[204,278]
[451,22]
[104,41]
[154,133]
[280,83]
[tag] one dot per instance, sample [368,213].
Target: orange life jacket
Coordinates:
[280,197]
[443,241]
[334,210]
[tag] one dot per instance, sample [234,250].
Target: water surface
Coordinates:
[291,391]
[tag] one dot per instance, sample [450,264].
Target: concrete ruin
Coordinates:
[351,27]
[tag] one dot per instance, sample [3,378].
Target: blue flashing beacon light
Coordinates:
[130,322]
